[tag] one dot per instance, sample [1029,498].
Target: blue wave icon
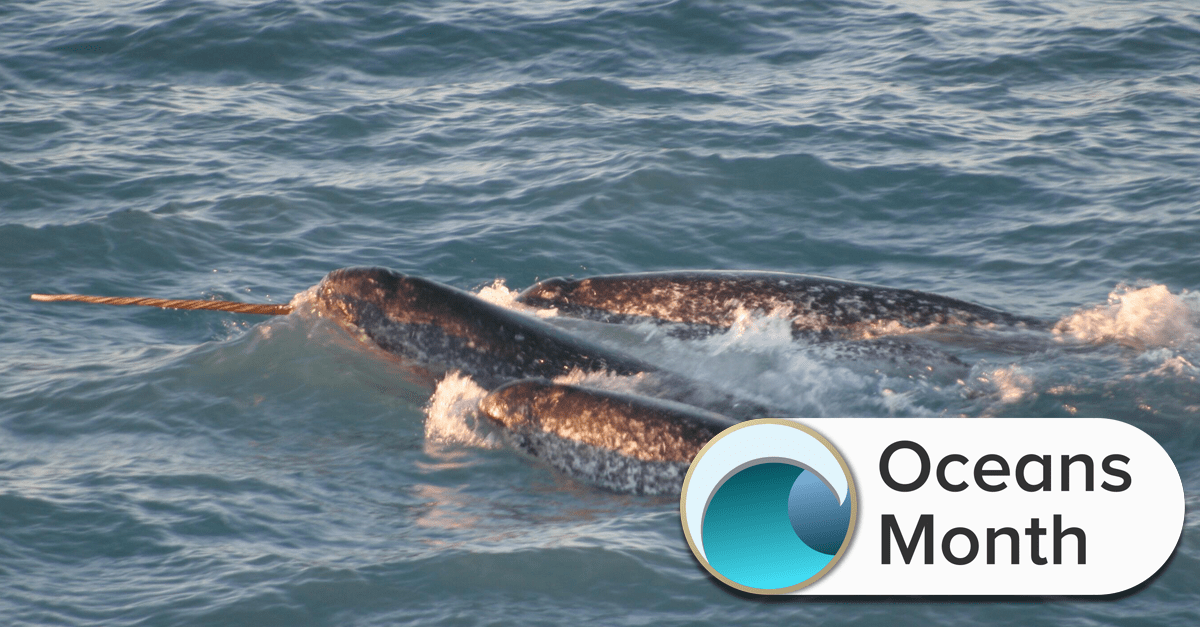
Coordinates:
[779,510]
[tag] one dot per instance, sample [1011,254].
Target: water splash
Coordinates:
[498,294]
[305,301]
[759,358]
[1139,317]
[452,415]
[1009,384]
[605,381]
[1170,364]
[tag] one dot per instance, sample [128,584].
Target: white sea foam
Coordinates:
[757,358]
[1009,383]
[1171,365]
[603,380]
[452,415]
[1137,316]
[498,294]
[305,300]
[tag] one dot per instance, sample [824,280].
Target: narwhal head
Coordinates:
[549,293]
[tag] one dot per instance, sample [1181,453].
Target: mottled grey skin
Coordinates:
[617,441]
[709,300]
[440,329]
[443,329]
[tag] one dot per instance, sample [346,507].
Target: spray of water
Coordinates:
[1139,317]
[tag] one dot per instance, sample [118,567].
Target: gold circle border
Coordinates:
[849,530]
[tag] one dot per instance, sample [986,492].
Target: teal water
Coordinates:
[190,468]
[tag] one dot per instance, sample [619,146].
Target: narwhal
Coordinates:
[706,301]
[624,442]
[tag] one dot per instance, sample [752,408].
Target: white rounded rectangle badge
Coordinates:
[933,506]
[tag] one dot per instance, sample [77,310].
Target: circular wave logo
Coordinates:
[768,506]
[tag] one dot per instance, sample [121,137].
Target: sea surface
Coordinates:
[173,468]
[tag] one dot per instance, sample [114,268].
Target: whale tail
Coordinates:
[169,303]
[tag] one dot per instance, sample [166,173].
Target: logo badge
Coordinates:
[768,506]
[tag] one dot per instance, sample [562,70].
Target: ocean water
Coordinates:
[198,468]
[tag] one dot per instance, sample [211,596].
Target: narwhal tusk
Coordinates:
[170,303]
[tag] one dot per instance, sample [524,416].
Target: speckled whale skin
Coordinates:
[711,300]
[444,328]
[440,328]
[621,442]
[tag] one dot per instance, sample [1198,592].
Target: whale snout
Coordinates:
[550,291]
[512,404]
